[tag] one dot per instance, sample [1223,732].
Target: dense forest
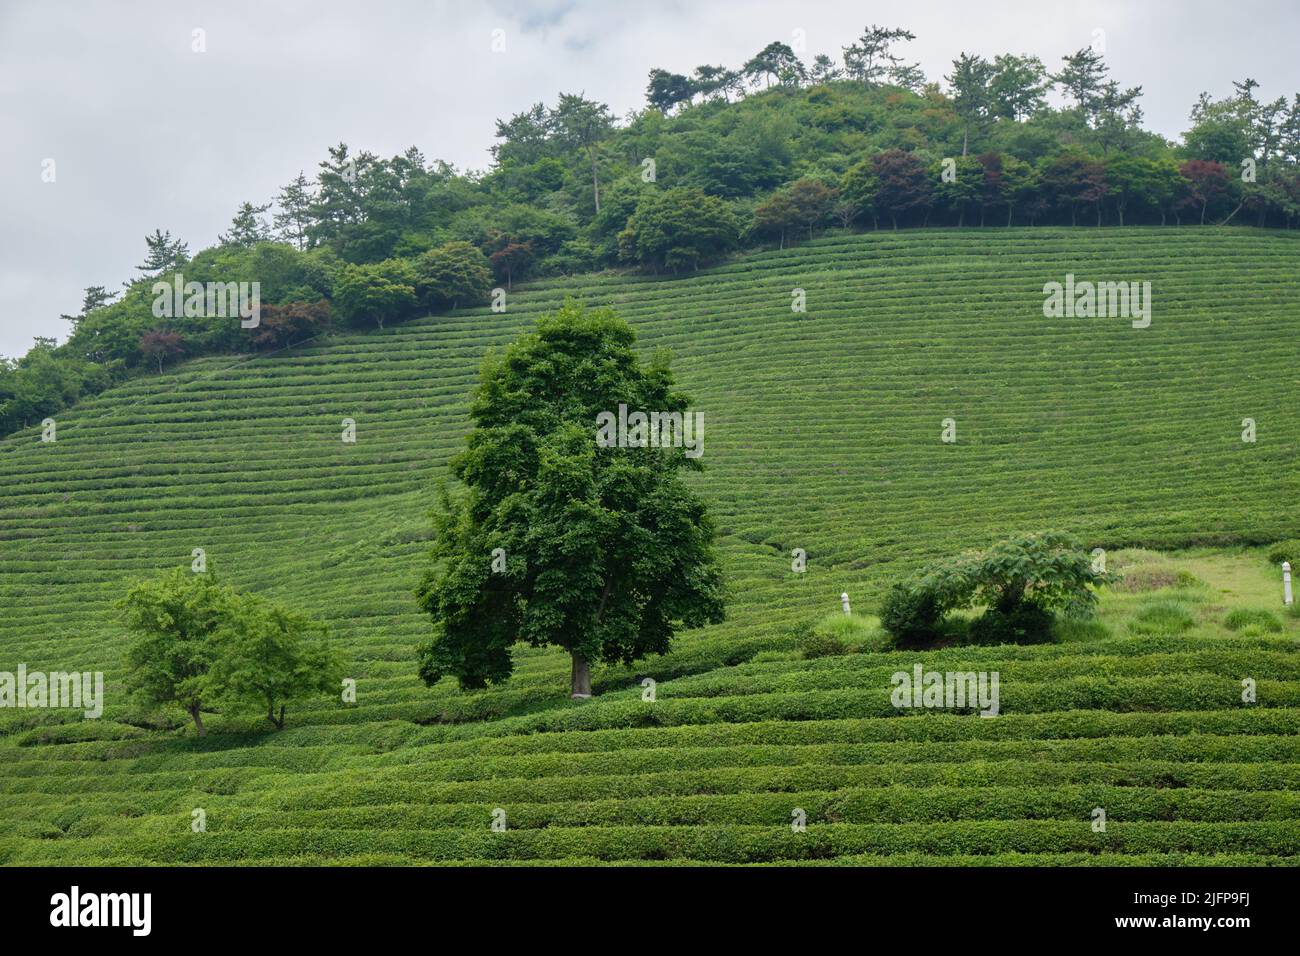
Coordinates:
[770,153]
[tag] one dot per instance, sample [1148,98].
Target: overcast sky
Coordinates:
[144,132]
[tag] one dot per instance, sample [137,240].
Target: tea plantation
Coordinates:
[822,433]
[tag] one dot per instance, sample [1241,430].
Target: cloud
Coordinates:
[147,133]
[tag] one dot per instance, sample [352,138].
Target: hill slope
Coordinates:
[822,432]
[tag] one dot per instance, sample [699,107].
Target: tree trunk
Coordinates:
[1233,213]
[1121,215]
[595,181]
[580,682]
[961,217]
[270,715]
[1204,206]
[198,720]
[965,138]
[1010,212]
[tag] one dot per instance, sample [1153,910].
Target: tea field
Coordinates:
[822,433]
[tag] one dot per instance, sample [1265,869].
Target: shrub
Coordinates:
[1243,617]
[911,615]
[1026,624]
[1285,551]
[822,644]
[1162,617]
[1021,579]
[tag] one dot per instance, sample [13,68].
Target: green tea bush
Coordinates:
[911,615]
[1026,624]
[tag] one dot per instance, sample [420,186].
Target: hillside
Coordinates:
[822,433]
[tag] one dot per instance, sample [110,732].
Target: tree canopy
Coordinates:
[553,538]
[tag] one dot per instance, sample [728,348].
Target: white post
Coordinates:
[1286,582]
[844,600]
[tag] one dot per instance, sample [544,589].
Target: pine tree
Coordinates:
[247,229]
[294,214]
[164,253]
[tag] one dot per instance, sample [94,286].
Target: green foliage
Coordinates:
[912,615]
[269,655]
[838,633]
[1262,619]
[607,552]
[245,457]
[1022,582]
[1288,551]
[200,642]
[375,293]
[175,618]
[1163,617]
[452,275]
[1027,623]
[675,229]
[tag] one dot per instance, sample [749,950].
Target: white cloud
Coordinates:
[148,134]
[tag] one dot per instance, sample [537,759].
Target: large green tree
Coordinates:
[554,538]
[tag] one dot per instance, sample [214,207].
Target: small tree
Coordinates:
[512,259]
[1207,184]
[902,183]
[665,90]
[375,293]
[676,228]
[270,656]
[1022,582]
[165,253]
[285,324]
[859,187]
[971,97]
[452,274]
[293,217]
[174,618]
[961,192]
[774,216]
[247,228]
[159,345]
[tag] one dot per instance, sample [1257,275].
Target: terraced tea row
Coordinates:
[823,433]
